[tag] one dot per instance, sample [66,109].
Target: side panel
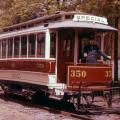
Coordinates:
[89,75]
[28,71]
[24,76]
[45,66]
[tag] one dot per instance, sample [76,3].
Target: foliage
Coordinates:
[15,11]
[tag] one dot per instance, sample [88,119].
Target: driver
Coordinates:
[92,50]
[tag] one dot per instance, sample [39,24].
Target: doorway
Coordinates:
[65,52]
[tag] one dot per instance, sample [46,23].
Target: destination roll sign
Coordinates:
[90,18]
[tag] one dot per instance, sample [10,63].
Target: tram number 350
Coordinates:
[78,73]
[83,73]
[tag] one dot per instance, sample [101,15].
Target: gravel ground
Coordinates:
[10,110]
[15,111]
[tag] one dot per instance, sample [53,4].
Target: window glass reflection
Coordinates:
[10,47]
[31,46]
[24,45]
[53,45]
[16,46]
[4,48]
[41,45]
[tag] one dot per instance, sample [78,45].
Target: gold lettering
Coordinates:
[108,73]
[84,74]
[72,74]
[78,73]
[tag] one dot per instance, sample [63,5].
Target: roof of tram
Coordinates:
[72,24]
[60,17]
[57,25]
[101,24]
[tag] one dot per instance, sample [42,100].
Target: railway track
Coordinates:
[54,106]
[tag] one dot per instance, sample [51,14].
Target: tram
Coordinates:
[46,54]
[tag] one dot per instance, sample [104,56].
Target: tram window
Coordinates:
[4,48]
[10,47]
[24,45]
[98,41]
[41,45]
[31,46]
[16,46]
[67,48]
[53,45]
[0,48]
[82,43]
[107,44]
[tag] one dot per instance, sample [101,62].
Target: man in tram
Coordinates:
[91,51]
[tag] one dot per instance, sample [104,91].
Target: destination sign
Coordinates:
[90,18]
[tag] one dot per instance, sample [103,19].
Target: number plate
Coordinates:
[76,74]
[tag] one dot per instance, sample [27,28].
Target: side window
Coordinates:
[41,45]
[24,46]
[108,47]
[16,46]
[31,46]
[0,49]
[4,48]
[10,47]
[53,45]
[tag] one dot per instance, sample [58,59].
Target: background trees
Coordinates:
[15,11]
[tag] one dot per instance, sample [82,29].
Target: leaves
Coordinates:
[15,11]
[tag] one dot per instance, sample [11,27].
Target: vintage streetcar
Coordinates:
[45,55]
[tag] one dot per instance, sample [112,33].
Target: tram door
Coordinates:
[65,52]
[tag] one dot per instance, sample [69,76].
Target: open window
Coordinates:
[31,46]
[84,40]
[24,46]
[10,47]
[16,46]
[41,45]
[53,45]
[0,48]
[4,42]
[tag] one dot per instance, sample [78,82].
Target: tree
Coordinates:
[15,11]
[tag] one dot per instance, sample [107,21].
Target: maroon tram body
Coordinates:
[46,53]
[90,75]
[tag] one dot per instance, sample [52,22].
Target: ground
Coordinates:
[11,110]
